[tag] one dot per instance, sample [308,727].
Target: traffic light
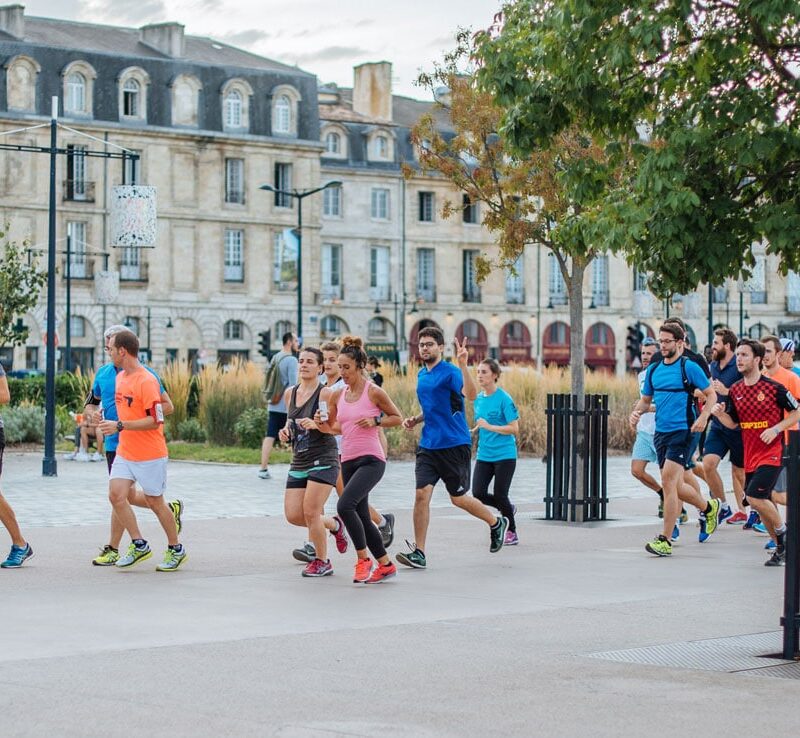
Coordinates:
[265,339]
[633,344]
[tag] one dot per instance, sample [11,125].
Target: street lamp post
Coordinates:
[300,195]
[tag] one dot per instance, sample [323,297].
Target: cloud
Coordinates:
[330,54]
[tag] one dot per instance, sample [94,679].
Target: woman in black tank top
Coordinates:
[315,463]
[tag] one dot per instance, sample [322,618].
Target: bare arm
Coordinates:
[166,404]
[710,397]
[510,429]
[5,395]
[639,409]
[391,415]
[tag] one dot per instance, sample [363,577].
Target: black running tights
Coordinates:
[502,471]
[360,476]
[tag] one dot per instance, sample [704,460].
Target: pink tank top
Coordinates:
[357,442]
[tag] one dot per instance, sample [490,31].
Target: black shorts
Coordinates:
[451,465]
[721,441]
[275,421]
[676,446]
[320,475]
[110,456]
[759,484]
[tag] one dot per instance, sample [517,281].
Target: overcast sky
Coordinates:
[324,37]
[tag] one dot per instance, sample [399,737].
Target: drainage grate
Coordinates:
[732,654]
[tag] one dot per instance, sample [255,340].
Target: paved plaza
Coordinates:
[576,631]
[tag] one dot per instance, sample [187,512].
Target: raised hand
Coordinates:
[462,355]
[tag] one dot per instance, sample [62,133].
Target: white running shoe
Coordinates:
[97,456]
[82,456]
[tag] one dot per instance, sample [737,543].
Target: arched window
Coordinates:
[381,147]
[21,83]
[282,327]
[131,322]
[333,143]
[379,329]
[282,121]
[75,101]
[477,344]
[233,330]
[332,326]
[77,326]
[233,109]
[130,98]
[186,100]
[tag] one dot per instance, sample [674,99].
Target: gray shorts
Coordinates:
[151,475]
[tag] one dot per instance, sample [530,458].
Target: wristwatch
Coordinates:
[120,426]
[377,420]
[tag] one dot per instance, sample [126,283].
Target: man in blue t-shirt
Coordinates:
[445,445]
[102,397]
[671,384]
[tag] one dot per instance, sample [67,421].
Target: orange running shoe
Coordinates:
[363,570]
[381,572]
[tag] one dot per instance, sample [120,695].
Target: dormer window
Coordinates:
[75,101]
[333,143]
[285,100]
[78,79]
[133,83]
[130,98]
[283,114]
[381,147]
[233,109]
[235,100]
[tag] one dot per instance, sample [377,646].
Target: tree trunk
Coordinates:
[577,353]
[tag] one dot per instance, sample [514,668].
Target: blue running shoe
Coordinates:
[770,545]
[17,556]
[676,533]
[752,519]
[725,512]
[760,528]
[708,523]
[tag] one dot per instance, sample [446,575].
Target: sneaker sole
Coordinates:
[407,562]
[17,566]
[501,542]
[316,576]
[388,538]
[133,563]
[108,563]
[660,554]
[174,568]
[302,556]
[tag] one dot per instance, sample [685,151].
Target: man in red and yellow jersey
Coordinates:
[142,452]
[763,409]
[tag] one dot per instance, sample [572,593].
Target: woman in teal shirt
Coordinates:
[497,423]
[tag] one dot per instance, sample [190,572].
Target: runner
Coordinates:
[786,357]
[315,464]
[332,379]
[671,383]
[141,453]
[103,396]
[358,412]
[763,409]
[497,423]
[21,550]
[445,444]
[281,373]
[720,440]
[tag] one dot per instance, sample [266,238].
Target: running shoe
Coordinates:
[770,545]
[738,518]
[752,519]
[413,558]
[317,568]
[724,513]
[70,456]
[97,456]
[777,559]
[307,554]
[176,506]
[676,533]
[363,570]
[172,559]
[387,530]
[708,522]
[17,556]
[381,572]
[683,517]
[511,538]
[264,474]
[661,509]
[497,534]
[108,556]
[134,556]
[659,546]
[340,535]
[760,528]
[82,456]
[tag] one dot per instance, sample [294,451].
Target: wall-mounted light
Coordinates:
[169,323]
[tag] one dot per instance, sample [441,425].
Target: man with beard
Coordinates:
[445,444]
[719,439]
[672,383]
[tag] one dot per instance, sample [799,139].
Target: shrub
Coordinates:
[71,390]
[225,393]
[178,382]
[190,430]
[250,427]
[25,424]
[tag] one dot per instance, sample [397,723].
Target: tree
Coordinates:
[552,195]
[20,284]
[715,85]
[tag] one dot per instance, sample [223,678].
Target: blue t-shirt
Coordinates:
[728,376]
[796,371]
[664,383]
[104,387]
[496,409]
[439,395]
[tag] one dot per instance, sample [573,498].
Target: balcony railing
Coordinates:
[235,196]
[79,268]
[426,294]
[515,297]
[330,293]
[234,273]
[381,293]
[78,190]
[601,298]
[558,298]
[133,272]
[471,293]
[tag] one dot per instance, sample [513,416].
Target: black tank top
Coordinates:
[310,448]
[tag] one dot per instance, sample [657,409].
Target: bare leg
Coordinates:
[713,479]
[638,471]
[135,497]
[118,490]
[165,517]
[422,515]
[266,450]
[474,507]
[313,505]
[676,489]
[737,478]
[769,515]
[9,520]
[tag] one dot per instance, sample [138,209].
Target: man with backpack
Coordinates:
[281,373]
[671,383]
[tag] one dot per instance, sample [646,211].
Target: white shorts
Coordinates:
[151,475]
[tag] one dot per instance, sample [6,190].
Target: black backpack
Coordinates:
[688,388]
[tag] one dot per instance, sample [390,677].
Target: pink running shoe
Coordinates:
[340,535]
[318,568]
[511,539]
[381,572]
[363,570]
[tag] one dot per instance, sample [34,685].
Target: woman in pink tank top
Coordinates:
[358,412]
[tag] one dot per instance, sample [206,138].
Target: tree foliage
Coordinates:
[714,83]
[20,284]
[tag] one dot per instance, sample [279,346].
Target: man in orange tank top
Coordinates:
[142,452]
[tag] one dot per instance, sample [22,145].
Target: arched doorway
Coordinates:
[515,343]
[555,344]
[477,342]
[413,338]
[600,347]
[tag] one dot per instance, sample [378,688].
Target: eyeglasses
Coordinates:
[668,341]
[427,344]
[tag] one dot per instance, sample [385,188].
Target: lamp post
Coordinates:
[300,195]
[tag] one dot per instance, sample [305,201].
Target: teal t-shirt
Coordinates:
[496,409]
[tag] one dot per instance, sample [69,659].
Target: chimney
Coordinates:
[12,20]
[372,90]
[164,37]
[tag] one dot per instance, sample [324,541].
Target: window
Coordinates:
[332,202]
[793,293]
[234,99]
[186,101]
[426,274]
[470,210]
[131,169]
[233,330]
[331,327]
[130,265]
[331,271]
[758,281]
[426,200]
[76,186]
[283,181]
[282,122]
[379,273]
[76,230]
[233,109]
[380,204]
[378,329]
[75,100]
[21,84]
[471,292]
[639,280]
[719,294]
[600,335]
[32,357]
[284,265]
[234,181]
[131,322]
[515,284]
[130,98]
[234,255]
[282,327]
[557,287]
[77,326]
[600,281]
[333,143]
[381,147]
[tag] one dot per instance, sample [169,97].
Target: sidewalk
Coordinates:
[521,643]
